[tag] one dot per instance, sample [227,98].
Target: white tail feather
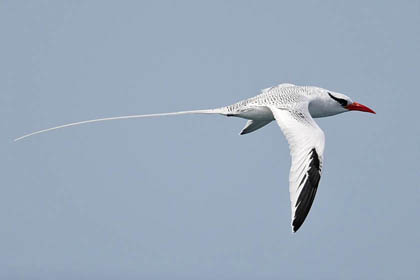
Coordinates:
[210,111]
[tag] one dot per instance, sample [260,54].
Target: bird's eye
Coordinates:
[342,102]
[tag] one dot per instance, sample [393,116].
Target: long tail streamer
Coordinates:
[210,111]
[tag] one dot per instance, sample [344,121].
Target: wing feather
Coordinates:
[306,142]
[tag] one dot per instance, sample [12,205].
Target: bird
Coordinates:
[294,109]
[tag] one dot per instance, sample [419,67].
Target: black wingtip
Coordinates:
[297,223]
[307,195]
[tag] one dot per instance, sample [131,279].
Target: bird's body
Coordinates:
[285,97]
[293,107]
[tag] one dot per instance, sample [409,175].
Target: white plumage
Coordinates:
[293,107]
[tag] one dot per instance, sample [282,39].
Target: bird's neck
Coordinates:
[321,107]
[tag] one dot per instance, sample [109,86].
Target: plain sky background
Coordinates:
[186,197]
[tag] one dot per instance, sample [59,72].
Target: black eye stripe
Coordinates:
[339,100]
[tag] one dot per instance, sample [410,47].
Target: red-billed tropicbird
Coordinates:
[293,107]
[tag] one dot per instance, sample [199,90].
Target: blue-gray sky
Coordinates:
[186,197]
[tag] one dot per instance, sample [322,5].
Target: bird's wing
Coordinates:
[253,125]
[306,142]
[284,85]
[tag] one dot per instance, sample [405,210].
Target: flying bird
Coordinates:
[293,108]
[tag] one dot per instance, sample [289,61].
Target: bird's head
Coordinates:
[332,103]
[346,104]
